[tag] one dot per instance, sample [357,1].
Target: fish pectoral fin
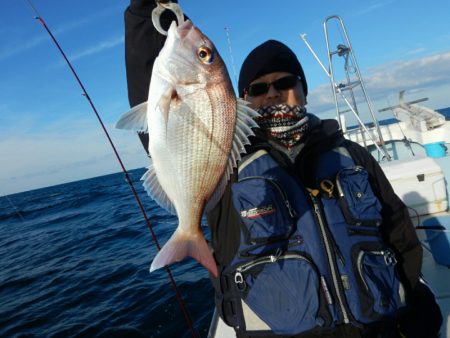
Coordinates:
[135,119]
[155,191]
[164,102]
[182,245]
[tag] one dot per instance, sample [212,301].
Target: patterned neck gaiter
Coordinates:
[288,124]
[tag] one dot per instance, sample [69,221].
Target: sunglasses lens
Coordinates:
[258,89]
[261,88]
[286,82]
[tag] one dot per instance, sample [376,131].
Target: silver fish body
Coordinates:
[197,130]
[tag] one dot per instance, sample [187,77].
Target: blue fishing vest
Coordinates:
[308,259]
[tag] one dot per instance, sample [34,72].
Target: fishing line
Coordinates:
[227,31]
[127,177]
[14,207]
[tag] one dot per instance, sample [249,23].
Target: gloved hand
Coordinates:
[145,7]
[422,317]
[142,7]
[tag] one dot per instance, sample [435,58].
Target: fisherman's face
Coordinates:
[292,96]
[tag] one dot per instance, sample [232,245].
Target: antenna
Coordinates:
[402,102]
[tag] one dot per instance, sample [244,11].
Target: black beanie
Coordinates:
[271,56]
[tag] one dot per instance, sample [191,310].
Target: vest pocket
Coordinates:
[283,291]
[266,213]
[377,280]
[359,204]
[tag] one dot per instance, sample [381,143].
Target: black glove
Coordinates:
[145,7]
[422,317]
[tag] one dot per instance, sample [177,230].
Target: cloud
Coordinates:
[427,72]
[373,7]
[98,47]
[25,44]
[422,74]
[415,51]
[61,154]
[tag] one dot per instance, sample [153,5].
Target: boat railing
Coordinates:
[353,81]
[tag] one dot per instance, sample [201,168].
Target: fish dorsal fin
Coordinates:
[155,191]
[135,119]
[244,122]
[243,131]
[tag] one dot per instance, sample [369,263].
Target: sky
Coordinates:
[49,134]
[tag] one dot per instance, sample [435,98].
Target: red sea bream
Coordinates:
[197,130]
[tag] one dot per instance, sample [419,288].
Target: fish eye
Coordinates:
[205,54]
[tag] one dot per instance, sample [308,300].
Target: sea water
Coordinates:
[74,262]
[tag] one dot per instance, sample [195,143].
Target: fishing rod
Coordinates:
[127,177]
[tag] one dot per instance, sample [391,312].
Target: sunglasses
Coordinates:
[261,88]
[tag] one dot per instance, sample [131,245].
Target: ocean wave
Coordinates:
[77,265]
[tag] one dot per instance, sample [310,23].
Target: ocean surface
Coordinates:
[74,262]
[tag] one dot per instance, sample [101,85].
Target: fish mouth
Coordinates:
[184,29]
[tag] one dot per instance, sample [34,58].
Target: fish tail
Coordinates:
[182,245]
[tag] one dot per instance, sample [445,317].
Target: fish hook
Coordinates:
[160,8]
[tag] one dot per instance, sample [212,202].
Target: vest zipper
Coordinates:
[339,187]
[294,241]
[338,182]
[389,259]
[329,252]
[238,278]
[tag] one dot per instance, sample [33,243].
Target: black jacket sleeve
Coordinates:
[422,316]
[142,45]
[397,228]
[224,223]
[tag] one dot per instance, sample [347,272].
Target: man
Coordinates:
[273,81]
[298,254]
